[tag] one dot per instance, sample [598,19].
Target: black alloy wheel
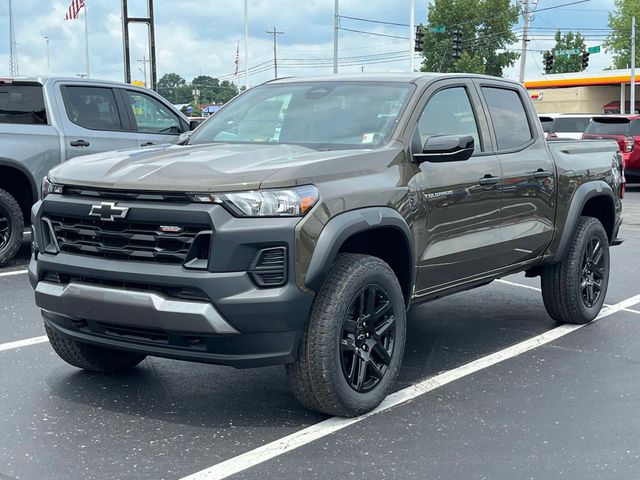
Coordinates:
[592,271]
[5,228]
[368,338]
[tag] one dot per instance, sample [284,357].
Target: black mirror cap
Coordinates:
[446,148]
[193,124]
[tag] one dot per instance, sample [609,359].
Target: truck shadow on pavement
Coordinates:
[441,335]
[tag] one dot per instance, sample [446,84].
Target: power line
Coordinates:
[373,33]
[359,19]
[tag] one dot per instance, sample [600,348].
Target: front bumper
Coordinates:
[132,305]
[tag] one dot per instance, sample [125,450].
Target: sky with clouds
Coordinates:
[200,36]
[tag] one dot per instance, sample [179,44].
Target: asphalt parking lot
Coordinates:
[490,388]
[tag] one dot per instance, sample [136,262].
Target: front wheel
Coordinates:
[574,289]
[92,358]
[351,351]
[11,227]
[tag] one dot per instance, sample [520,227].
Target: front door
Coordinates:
[458,238]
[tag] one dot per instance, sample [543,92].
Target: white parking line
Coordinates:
[514,284]
[23,343]
[314,432]
[14,272]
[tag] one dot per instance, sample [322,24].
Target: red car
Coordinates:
[625,129]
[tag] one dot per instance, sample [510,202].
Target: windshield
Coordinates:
[324,115]
[570,124]
[608,126]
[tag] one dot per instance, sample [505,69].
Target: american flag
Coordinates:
[237,57]
[74,9]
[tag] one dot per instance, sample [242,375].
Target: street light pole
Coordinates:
[523,49]
[632,99]
[246,45]
[412,55]
[48,55]
[336,27]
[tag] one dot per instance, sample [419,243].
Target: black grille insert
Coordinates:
[123,240]
[173,197]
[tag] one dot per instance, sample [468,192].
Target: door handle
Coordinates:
[542,173]
[146,144]
[488,180]
[79,143]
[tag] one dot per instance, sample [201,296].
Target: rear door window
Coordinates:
[509,117]
[22,104]
[93,107]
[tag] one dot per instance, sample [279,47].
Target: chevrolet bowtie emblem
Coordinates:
[108,211]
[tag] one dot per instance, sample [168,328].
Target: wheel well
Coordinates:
[388,244]
[19,186]
[601,207]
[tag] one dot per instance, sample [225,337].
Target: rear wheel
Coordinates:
[91,357]
[574,289]
[11,227]
[350,354]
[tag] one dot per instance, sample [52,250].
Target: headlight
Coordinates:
[293,202]
[48,187]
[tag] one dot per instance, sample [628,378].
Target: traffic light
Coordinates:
[585,59]
[419,39]
[547,62]
[456,36]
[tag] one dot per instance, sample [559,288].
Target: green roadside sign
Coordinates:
[595,49]
[438,29]
[574,51]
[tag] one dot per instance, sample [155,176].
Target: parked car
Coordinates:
[625,130]
[547,122]
[299,224]
[46,120]
[569,125]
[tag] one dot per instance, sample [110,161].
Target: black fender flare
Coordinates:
[341,227]
[582,195]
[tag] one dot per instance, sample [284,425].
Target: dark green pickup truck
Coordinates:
[299,224]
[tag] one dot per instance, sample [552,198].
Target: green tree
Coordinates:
[207,86]
[487,31]
[567,63]
[172,87]
[619,39]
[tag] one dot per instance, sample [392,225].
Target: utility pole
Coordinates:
[48,55]
[632,98]
[13,50]
[336,27]
[412,53]
[275,34]
[525,33]
[144,60]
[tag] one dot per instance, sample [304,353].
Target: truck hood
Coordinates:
[219,167]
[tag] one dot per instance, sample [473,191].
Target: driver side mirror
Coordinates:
[184,137]
[446,148]
[193,124]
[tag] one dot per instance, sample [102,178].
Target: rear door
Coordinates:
[458,237]
[529,176]
[94,120]
[154,121]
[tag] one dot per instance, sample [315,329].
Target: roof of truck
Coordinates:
[49,78]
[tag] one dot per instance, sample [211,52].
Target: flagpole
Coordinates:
[86,40]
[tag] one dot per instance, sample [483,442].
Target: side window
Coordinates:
[93,108]
[509,117]
[449,112]
[151,115]
[22,104]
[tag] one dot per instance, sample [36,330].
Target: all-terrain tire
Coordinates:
[11,227]
[91,357]
[562,283]
[317,378]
